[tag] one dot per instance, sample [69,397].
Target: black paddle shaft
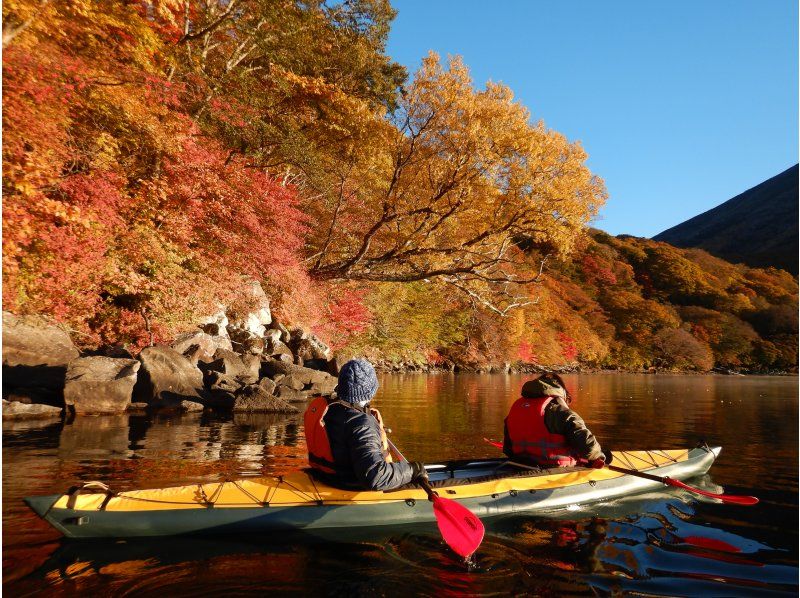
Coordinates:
[641,474]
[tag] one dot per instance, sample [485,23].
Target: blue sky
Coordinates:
[681,105]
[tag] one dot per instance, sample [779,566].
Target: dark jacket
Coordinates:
[355,438]
[560,419]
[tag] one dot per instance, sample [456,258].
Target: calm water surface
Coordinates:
[663,543]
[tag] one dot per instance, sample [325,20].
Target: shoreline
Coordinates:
[386,367]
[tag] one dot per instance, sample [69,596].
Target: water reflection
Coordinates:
[664,543]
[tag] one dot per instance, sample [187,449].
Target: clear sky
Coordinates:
[680,104]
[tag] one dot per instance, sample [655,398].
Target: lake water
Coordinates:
[662,543]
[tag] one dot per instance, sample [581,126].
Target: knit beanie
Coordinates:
[357,382]
[542,387]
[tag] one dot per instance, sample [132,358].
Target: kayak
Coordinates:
[300,501]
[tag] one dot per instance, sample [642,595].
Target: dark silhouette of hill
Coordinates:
[757,227]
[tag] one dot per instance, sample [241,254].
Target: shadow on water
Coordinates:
[663,543]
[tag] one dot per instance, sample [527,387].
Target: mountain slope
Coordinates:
[757,227]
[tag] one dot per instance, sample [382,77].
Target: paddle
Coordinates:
[667,481]
[460,528]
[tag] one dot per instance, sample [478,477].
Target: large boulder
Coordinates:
[244,368]
[16,410]
[35,352]
[255,399]
[167,377]
[306,346]
[100,384]
[313,381]
[199,346]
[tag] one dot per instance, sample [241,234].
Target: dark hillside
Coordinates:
[757,227]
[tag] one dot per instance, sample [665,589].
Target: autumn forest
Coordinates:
[157,153]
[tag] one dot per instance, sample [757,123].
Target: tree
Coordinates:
[677,348]
[460,178]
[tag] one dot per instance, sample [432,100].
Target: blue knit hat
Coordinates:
[357,382]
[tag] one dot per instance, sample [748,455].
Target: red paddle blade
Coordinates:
[493,443]
[736,500]
[462,530]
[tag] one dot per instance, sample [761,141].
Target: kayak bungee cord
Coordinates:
[666,480]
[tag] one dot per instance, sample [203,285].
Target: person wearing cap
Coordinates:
[542,429]
[346,440]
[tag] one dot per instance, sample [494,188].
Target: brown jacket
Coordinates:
[560,419]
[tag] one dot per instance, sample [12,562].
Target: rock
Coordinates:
[204,343]
[220,399]
[335,365]
[254,398]
[244,341]
[267,385]
[217,381]
[100,384]
[292,396]
[191,406]
[35,352]
[216,322]
[257,320]
[34,395]
[244,368]
[167,377]
[273,367]
[326,387]
[276,348]
[285,335]
[17,410]
[137,407]
[316,364]
[272,336]
[292,381]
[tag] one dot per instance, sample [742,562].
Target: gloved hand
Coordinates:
[597,463]
[418,471]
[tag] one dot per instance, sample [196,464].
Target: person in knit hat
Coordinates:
[347,443]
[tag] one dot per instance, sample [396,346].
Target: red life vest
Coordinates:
[320,455]
[530,438]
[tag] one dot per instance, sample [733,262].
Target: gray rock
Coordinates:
[137,407]
[277,347]
[17,410]
[273,367]
[253,398]
[205,344]
[267,385]
[272,336]
[254,321]
[292,396]
[217,381]
[285,335]
[100,384]
[167,377]
[191,406]
[243,367]
[35,352]
[293,381]
[33,395]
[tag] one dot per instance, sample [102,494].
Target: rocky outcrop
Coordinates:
[166,377]
[100,384]
[16,410]
[314,381]
[254,398]
[35,353]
